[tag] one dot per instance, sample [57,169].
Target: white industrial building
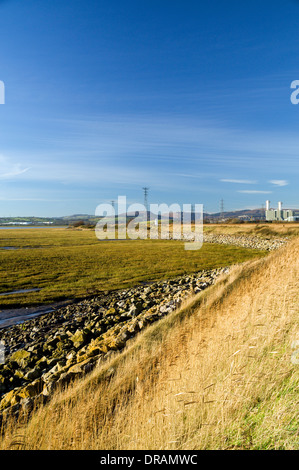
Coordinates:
[280,214]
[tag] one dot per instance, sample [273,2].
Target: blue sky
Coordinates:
[189,98]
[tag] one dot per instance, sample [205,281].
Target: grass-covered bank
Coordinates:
[66,263]
[263,230]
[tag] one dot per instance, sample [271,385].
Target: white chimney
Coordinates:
[280,206]
[267,205]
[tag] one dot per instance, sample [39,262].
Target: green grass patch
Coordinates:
[68,264]
[271,423]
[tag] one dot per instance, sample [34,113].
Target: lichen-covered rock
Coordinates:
[3,385]
[31,390]
[48,388]
[80,337]
[9,399]
[21,357]
[32,374]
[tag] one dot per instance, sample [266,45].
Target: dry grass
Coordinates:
[263,230]
[217,374]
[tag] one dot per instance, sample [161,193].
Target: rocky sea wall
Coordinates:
[57,347]
[245,241]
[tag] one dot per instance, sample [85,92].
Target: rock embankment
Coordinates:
[257,243]
[245,241]
[56,347]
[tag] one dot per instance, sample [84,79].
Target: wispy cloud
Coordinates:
[16,171]
[247,191]
[171,155]
[10,170]
[188,175]
[279,182]
[224,180]
[83,149]
[166,140]
[36,199]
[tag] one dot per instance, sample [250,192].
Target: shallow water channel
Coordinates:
[14,316]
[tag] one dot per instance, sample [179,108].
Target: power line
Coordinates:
[145,191]
[221,208]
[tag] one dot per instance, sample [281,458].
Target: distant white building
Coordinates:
[280,214]
[16,223]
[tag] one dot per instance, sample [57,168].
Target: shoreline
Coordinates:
[54,348]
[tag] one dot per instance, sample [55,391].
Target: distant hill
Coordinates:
[245,214]
[77,217]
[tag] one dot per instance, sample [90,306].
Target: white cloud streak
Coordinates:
[234,181]
[247,191]
[16,171]
[128,149]
[279,182]
[10,170]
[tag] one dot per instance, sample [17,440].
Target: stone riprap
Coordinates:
[56,347]
[246,241]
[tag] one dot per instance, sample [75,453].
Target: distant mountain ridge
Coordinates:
[243,214]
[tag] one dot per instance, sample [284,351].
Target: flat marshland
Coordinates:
[64,263]
[219,373]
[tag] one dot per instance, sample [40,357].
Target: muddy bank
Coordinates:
[15,316]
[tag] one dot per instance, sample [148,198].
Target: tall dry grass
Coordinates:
[218,374]
[278,229]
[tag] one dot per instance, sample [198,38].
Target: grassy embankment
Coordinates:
[265,230]
[221,373]
[69,263]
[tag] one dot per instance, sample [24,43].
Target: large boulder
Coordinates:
[22,358]
[31,390]
[80,337]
